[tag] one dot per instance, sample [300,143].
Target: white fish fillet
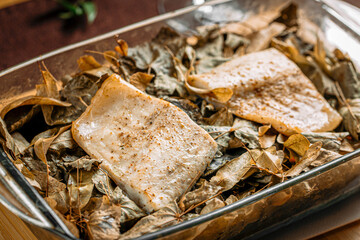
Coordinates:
[269,88]
[149,147]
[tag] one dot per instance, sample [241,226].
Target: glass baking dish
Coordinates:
[250,217]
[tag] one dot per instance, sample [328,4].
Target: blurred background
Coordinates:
[29,28]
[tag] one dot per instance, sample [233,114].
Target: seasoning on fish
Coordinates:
[269,88]
[148,146]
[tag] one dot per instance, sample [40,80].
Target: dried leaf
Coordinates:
[71,226]
[324,157]
[320,56]
[211,49]
[126,208]
[164,217]
[220,94]
[263,129]
[233,41]
[221,118]
[104,224]
[330,140]
[84,162]
[165,85]
[231,199]
[47,182]
[87,62]
[94,73]
[204,65]
[42,145]
[346,146]
[220,134]
[270,160]
[122,47]
[63,141]
[217,163]
[17,120]
[247,132]
[205,191]
[32,100]
[27,174]
[9,141]
[102,182]
[80,188]
[150,55]
[351,117]
[262,39]
[237,169]
[345,74]
[212,205]
[141,80]
[267,141]
[310,155]
[298,143]
[20,142]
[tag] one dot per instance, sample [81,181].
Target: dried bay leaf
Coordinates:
[141,80]
[270,160]
[212,205]
[27,174]
[221,118]
[217,163]
[204,65]
[220,134]
[267,140]
[150,55]
[298,143]
[42,145]
[165,85]
[84,162]
[20,142]
[80,188]
[345,74]
[162,218]
[220,94]
[87,62]
[310,155]
[32,100]
[330,140]
[237,169]
[247,132]
[211,49]
[126,208]
[122,47]
[351,117]
[97,73]
[102,182]
[63,141]
[9,142]
[262,39]
[104,224]
[324,157]
[205,191]
[18,120]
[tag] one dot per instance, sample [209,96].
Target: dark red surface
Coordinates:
[32,28]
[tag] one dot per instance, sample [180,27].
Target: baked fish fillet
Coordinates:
[149,147]
[269,88]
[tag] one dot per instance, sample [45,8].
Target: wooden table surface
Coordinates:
[19,41]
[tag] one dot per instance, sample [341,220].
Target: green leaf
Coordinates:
[90,11]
